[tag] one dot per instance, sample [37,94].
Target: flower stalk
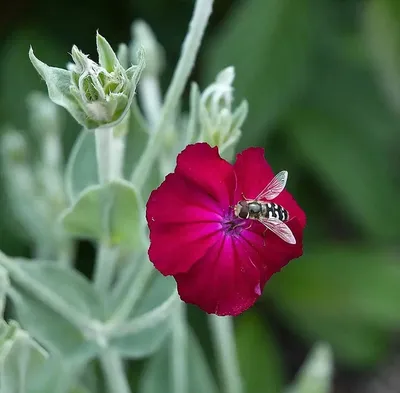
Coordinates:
[113,369]
[178,350]
[108,166]
[224,343]
[134,294]
[105,155]
[190,48]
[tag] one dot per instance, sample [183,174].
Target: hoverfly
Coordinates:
[271,215]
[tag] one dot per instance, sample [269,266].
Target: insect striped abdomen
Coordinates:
[273,210]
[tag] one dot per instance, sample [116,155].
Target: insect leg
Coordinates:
[244,198]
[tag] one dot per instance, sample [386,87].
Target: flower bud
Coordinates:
[96,95]
[219,124]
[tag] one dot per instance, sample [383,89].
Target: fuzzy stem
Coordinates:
[109,154]
[224,343]
[150,95]
[134,294]
[144,321]
[106,261]
[178,350]
[66,252]
[190,48]
[113,369]
[104,154]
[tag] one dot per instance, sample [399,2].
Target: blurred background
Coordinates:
[322,78]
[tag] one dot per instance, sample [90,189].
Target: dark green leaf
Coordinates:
[269,44]
[382,37]
[258,350]
[346,296]
[337,136]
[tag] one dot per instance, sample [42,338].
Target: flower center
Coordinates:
[231,224]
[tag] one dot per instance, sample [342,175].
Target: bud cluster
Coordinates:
[96,95]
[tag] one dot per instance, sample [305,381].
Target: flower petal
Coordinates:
[176,248]
[179,201]
[275,253]
[253,173]
[183,223]
[226,281]
[202,166]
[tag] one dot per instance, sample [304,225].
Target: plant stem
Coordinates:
[178,351]
[134,294]
[190,48]
[109,154]
[144,321]
[48,297]
[150,95]
[106,261]
[104,154]
[113,369]
[224,343]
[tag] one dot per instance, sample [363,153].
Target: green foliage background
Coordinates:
[322,78]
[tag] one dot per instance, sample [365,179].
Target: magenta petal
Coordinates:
[252,160]
[226,281]
[176,248]
[275,253]
[179,201]
[183,222]
[202,165]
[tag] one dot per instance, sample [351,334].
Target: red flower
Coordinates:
[219,261]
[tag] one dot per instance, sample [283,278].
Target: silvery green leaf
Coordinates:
[20,358]
[58,83]
[157,375]
[136,141]
[52,376]
[315,375]
[147,327]
[107,57]
[4,285]
[49,326]
[81,170]
[113,212]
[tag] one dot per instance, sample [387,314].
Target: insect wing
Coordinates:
[274,187]
[279,228]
